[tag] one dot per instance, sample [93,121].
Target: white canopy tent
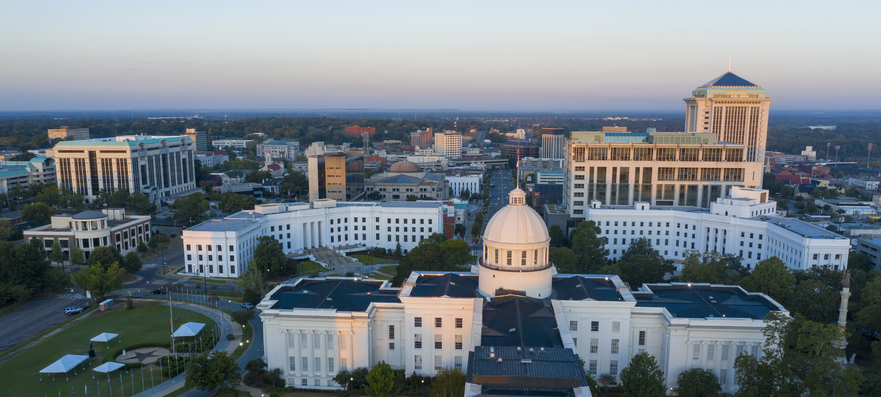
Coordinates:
[104,337]
[188,329]
[107,367]
[65,364]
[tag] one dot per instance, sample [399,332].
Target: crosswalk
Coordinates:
[72,296]
[152,265]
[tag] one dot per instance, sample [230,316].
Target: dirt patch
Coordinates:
[127,278]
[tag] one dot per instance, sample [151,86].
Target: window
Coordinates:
[595,326]
[697,352]
[613,368]
[573,325]
[642,338]
[725,352]
[438,342]
[592,367]
[754,350]
[594,345]
[458,362]
[739,350]
[292,364]
[616,326]
[305,364]
[329,341]
[417,362]
[303,382]
[458,342]
[438,363]
[330,364]
[438,322]
[317,343]
[711,351]
[417,341]
[614,346]
[391,345]
[342,343]
[343,365]
[723,376]
[391,332]
[318,364]
[458,323]
[417,322]
[188,246]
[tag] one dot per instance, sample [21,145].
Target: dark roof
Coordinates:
[704,300]
[549,368]
[514,320]
[582,288]
[345,295]
[89,215]
[401,179]
[729,80]
[449,284]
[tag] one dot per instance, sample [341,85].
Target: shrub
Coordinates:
[230,337]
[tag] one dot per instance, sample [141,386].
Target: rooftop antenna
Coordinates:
[729,65]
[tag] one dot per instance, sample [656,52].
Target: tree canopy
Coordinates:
[190,209]
[380,381]
[641,264]
[698,382]
[434,253]
[589,247]
[448,382]
[38,213]
[24,271]
[642,377]
[209,373]
[269,255]
[100,279]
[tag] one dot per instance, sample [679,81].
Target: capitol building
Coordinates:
[512,323]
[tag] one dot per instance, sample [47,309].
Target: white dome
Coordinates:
[516,223]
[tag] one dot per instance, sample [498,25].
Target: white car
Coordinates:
[73,310]
[247,305]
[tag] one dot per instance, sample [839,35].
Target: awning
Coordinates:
[109,366]
[64,364]
[188,329]
[105,337]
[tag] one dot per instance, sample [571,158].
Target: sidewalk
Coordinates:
[223,344]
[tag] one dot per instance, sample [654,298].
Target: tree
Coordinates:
[140,204]
[132,262]
[589,247]
[56,255]
[381,381]
[558,239]
[476,228]
[295,184]
[190,209]
[869,315]
[398,251]
[98,279]
[456,254]
[816,301]
[7,230]
[105,255]
[253,279]
[564,259]
[412,198]
[698,382]
[154,242]
[642,264]
[243,316]
[164,239]
[270,255]
[798,356]
[374,196]
[448,382]
[257,176]
[460,230]
[38,213]
[232,202]
[773,278]
[209,373]
[605,380]
[435,253]
[77,256]
[142,248]
[642,377]
[712,267]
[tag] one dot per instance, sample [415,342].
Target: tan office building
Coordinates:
[67,133]
[336,176]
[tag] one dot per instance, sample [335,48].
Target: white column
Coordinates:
[351,350]
[311,347]
[323,369]
[314,234]
[704,354]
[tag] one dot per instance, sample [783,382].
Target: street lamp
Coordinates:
[423,387]
[162,252]
[352,384]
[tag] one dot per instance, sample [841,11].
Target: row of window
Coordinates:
[438,322]
[208,247]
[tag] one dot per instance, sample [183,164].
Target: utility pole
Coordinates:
[869,159]
[828,145]
[836,152]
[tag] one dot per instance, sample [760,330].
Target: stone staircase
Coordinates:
[328,257]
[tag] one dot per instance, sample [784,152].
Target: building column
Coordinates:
[350,340]
[311,352]
[298,341]
[313,232]
[323,369]
[689,356]
[704,354]
[303,234]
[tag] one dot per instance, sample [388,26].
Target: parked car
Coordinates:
[247,305]
[73,310]
[156,292]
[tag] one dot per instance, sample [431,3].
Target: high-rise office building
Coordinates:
[160,167]
[421,139]
[67,133]
[733,109]
[553,143]
[673,168]
[199,138]
[335,176]
[448,144]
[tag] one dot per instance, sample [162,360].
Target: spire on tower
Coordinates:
[729,65]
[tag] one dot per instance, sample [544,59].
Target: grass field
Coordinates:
[390,270]
[309,267]
[19,376]
[368,259]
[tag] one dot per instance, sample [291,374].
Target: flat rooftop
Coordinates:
[705,300]
[450,285]
[342,294]
[515,320]
[502,371]
[221,225]
[580,288]
[802,228]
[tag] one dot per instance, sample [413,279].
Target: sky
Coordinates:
[467,55]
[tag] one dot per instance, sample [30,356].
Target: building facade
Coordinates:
[871,246]
[733,109]
[516,149]
[233,143]
[336,176]
[744,224]
[222,248]
[458,183]
[422,139]
[553,143]
[213,158]
[92,229]
[161,167]
[68,133]
[199,138]
[23,173]
[405,179]
[281,149]
[510,310]
[448,144]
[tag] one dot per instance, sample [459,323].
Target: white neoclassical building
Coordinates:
[223,247]
[511,323]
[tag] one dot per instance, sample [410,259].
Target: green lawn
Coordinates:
[379,276]
[146,324]
[390,270]
[368,259]
[309,267]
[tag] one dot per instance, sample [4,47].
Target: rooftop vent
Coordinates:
[492,355]
[519,349]
[452,283]
[531,350]
[526,361]
[542,349]
[305,291]
[329,298]
[512,330]
[500,361]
